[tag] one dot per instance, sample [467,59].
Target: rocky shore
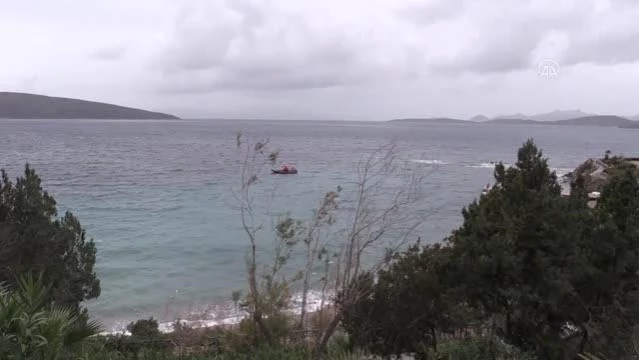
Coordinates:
[597,172]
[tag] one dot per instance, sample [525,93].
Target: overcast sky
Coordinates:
[328,59]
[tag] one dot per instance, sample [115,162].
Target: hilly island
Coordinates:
[565,118]
[15,105]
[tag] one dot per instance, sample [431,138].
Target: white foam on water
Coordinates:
[561,172]
[488,165]
[227,314]
[429,162]
[483,166]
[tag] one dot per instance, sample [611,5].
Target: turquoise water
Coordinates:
[157,195]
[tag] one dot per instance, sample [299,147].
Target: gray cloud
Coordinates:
[249,45]
[324,65]
[498,53]
[331,59]
[255,48]
[610,37]
[510,36]
[506,36]
[433,12]
[110,53]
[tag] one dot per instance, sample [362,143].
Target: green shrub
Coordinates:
[478,348]
[34,239]
[32,329]
[145,328]
[280,326]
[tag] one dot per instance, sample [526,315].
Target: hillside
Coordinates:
[30,106]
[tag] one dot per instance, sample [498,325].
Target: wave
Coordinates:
[561,172]
[227,314]
[484,165]
[429,162]
[488,165]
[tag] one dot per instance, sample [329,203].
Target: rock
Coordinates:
[596,172]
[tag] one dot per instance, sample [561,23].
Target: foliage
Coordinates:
[514,255]
[144,328]
[408,305]
[267,292]
[543,273]
[340,253]
[32,329]
[559,278]
[531,273]
[96,352]
[32,238]
[477,348]
[610,283]
[145,339]
[280,326]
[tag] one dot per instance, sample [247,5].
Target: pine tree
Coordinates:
[34,240]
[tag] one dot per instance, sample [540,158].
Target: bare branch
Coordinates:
[381,218]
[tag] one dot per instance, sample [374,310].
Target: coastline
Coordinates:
[224,314]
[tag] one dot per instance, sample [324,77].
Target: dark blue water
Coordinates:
[157,196]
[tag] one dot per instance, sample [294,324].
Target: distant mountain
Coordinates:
[30,106]
[634,118]
[551,116]
[517,116]
[479,118]
[431,120]
[560,115]
[593,120]
[512,121]
[596,120]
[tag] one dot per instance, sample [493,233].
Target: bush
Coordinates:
[280,326]
[145,328]
[32,329]
[479,348]
[34,239]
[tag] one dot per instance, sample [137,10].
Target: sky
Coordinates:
[328,59]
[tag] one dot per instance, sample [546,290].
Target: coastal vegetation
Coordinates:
[35,240]
[529,273]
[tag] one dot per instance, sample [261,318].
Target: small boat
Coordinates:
[285,170]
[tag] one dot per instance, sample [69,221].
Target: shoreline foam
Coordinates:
[226,314]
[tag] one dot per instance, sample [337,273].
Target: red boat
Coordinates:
[285,169]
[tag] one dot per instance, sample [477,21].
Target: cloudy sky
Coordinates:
[328,59]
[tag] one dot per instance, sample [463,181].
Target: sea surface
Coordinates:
[157,196]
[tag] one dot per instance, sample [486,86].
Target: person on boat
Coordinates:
[284,168]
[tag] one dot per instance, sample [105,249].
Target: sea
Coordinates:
[159,197]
